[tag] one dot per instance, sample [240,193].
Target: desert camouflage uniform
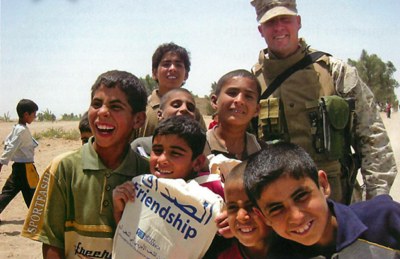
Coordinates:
[153,104]
[378,167]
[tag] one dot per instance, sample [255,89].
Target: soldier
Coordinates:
[305,107]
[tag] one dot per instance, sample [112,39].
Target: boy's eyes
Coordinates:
[233,208]
[176,154]
[299,198]
[113,106]
[158,151]
[168,64]
[302,196]
[177,104]
[96,104]
[234,93]
[191,107]
[275,210]
[116,107]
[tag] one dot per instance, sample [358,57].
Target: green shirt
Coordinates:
[72,207]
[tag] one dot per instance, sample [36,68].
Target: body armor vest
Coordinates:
[294,96]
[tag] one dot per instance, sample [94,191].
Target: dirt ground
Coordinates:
[12,245]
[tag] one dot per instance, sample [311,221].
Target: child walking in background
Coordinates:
[71,213]
[251,233]
[19,147]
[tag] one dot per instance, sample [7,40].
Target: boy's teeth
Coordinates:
[303,229]
[246,230]
[104,127]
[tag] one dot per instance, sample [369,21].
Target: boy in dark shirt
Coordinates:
[292,197]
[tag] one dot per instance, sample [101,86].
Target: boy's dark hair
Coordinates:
[128,83]
[170,47]
[84,123]
[186,128]
[236,174]
[273,161]
[166,96]
[237,73]
[26,105]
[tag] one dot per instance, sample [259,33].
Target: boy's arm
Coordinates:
[12,144]
[52,252]
[121,195]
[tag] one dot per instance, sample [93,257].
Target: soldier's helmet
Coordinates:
[268,9]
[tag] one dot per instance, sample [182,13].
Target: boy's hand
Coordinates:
[121,195]
[223,226]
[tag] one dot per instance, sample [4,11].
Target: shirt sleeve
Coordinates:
[378,166]
[46,218]
[11,145]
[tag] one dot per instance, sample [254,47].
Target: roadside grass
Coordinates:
[53,133]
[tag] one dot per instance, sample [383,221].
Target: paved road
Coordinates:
[392,126]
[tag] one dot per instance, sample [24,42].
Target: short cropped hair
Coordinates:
[237,73]
[236,174]
[26,105]
[84,123]
[166,96]
[170,47]
[128,83]
[186,128]
[273,161]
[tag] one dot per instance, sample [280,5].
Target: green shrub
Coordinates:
[58,133]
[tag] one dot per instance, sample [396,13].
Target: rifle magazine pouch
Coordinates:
[338,112]
[269,125]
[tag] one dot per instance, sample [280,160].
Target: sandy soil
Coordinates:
[12,245]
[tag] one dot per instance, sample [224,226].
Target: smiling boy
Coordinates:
[71,213]
[175,102]
[251,232]
[170,69]
[236,102]
[177,153]
[291,196]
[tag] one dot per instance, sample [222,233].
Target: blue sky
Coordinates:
[53,50]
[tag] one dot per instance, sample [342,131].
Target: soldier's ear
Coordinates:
[257,110]
[299,21]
